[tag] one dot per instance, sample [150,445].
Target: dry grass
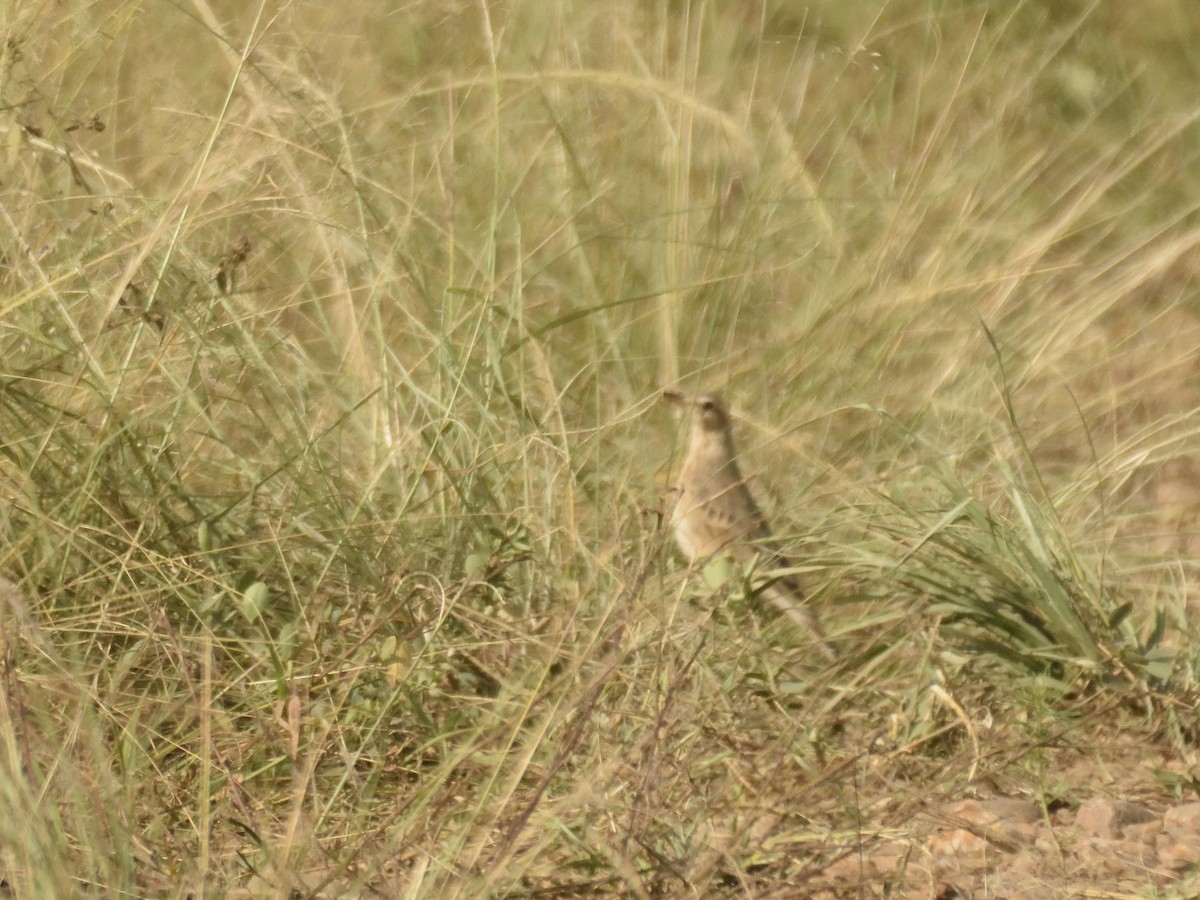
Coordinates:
[332,479]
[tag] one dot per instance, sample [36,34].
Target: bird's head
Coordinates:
[707,410]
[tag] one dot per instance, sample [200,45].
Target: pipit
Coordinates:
[715,513]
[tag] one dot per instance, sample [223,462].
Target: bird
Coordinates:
[715,512]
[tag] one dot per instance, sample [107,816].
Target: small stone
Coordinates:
[997,809]
[1007,823]
[1113,857]
[944,890]
[884,860]
[1145,832]
[960,849]
[1177,855]
[1104,817]
[1183,821]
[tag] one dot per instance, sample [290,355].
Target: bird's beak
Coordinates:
[673,396]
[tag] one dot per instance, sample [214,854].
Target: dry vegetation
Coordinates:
[332,475]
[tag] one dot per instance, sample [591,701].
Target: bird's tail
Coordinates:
[791,603]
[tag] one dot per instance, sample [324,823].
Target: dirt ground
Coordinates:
[1119,817]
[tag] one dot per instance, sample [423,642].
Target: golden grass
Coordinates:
[332,481]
